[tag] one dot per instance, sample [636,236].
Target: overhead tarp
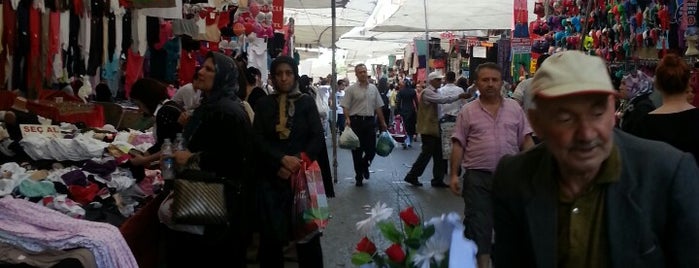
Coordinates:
[313,25]
[363,34]
[314,36]
[450,15]
[304,4]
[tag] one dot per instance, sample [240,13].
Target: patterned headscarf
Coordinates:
[637,84]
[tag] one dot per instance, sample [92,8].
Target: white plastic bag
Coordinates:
[348,139]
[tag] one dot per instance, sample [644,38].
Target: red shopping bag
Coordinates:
[310,207]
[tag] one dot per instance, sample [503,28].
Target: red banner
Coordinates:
[278,14]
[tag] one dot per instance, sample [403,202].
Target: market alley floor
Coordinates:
[386,185]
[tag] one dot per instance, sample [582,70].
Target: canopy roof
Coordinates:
[313,25]
[304,4]
[448,15]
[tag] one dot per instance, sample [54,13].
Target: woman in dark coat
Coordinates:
[635,90]
[286,124]
[218,137]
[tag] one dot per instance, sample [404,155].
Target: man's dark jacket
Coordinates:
[652,212]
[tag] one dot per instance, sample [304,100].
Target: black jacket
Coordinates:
[306,132]
[220,130]
[641,106]
[651,212]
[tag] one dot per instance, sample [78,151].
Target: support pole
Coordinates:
[427,39]
[333,94]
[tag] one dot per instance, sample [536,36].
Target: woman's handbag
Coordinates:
[199,198]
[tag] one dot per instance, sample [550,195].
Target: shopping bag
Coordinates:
[349,140]
[310,211]
[385,144]
[446,127]
[318,212]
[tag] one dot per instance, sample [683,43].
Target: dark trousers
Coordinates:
[340,123]
[209,250]
[310,254]
[409,123]
[478,208]
[431,148]
[365,128]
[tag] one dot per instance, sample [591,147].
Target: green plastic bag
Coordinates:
[385,144]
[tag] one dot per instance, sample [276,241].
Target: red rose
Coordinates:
[395,253]
[366,246]
[409,217]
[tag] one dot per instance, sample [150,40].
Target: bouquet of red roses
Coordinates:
[415,243]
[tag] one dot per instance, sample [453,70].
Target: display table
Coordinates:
[70,112]
[7,98]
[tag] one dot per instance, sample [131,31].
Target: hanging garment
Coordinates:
[44,62]
[257,56]
[64,33]
[111,73]
[111,35]
[173,12]
[34,77]
[134,69]
[138,32]
[19,64]
[165,32]
[188,65]
[157,58]
[185,27]
[73,56]
[152,30]
[124,34]
[96,36]
[84,38]
[2,29]
[173,56]
[154,3]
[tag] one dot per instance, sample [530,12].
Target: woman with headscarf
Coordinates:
[286,124]
[635,90]
[218,140]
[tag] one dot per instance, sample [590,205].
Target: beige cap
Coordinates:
[434,75]
[571,73]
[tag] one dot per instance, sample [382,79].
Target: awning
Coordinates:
[303,4]
[449,15]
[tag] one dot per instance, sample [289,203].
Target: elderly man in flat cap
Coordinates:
[590,195]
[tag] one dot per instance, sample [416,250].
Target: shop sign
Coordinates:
[49,131]
[521,45]
[278,14]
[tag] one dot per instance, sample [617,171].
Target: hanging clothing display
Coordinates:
[257,56]
[173,56]
[22,47]
[134,69]
[96,37]
[188,67]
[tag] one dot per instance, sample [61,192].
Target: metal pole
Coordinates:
[427,39]
[333,117]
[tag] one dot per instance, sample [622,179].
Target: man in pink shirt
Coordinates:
[486,130]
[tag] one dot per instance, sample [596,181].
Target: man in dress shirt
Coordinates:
[362,104]
[486,130]
[428,127]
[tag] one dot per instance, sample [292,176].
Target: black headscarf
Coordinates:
[225,86]
[225,80]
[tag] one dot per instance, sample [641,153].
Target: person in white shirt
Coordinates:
[341,84]
[448,90]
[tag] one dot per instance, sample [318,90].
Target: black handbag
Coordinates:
[199,198]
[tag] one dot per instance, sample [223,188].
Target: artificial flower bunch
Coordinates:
[416,244]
